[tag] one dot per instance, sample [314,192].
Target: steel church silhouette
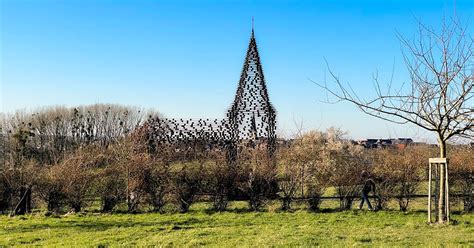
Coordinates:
[250,120]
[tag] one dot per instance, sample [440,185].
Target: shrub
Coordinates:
[306,155]
[111,188]
[6,193]
[408,174]
[343,163]
[148,170]
[138,168]
[398,173]
[256,187]
[314,192]
[462,175]
[79,174]
[220,180]
[156,185]
[50,188]
[383,166]
[288,187]
[22,180]
[289,176]
[259,176]
[186,184]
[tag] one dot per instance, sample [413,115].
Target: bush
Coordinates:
[157,184]
[220,180]
[186,184]
[288,187]
[138,168]
[314,192]
[6,193]
[461,166]
[306,155]
[256,190]
[399,173]
[343,164]
[78,176]
[259,176]
[289,175]
[383,166]
[111,187]
[22,180]
[408,174]
[60,157]
[50,187]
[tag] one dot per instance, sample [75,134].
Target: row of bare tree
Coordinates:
[30,142]
[101,156]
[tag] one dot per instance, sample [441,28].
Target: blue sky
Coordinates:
[184,58]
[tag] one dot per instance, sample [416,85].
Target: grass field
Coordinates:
[236,227]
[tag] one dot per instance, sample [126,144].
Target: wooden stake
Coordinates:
[447,192]
[429,194]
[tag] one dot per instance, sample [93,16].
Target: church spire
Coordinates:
[252,114]
[252,28]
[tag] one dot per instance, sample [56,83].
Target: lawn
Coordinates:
[236,227]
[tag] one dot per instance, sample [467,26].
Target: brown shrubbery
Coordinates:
[50,188]
[219,180]
[317,160]
[66,159]
[302,169]
[186,184]
[289,177]
[398,174]
[344,162]
[462,175]
[49,139]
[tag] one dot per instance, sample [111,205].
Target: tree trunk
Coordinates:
[442,187]
[24,204]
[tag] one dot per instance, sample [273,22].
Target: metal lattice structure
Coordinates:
[251,119]
[252,116]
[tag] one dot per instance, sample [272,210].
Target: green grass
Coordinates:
[236,227]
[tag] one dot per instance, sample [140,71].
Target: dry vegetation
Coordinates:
[67,159]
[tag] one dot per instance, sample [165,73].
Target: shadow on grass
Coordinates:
[230,210]
[328,210]
[89,223]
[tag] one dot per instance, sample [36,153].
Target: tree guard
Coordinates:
[438,167]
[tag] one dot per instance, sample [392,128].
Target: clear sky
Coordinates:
[184,58]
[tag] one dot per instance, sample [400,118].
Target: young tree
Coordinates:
[439,95]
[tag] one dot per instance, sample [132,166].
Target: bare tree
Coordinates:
[439,95]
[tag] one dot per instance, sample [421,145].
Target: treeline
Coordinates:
[66,159]
[32,143]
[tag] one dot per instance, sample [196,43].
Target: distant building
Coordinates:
[400,143]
